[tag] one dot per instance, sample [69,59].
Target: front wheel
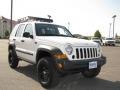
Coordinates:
[91,73]
[47,74]
[113,44]
[12,59]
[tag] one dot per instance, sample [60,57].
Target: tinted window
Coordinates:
[109,38]
[19,30]
[29,29]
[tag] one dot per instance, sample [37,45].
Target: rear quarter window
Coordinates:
[14,30]
[20,30]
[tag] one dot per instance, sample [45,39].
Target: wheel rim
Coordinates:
[44,75]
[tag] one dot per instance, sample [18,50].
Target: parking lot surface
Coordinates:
[25,76]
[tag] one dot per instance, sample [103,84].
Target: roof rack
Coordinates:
[31,18]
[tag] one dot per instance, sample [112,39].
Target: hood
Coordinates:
[96,40]
[68,40]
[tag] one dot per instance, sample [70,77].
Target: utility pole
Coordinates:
[113,23]
[11,15]
[110,30]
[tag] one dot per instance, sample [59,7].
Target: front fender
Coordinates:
[50,49]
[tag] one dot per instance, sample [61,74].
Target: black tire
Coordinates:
[12,59]
[47,74]
[62,74]
[113,44]
[91,73]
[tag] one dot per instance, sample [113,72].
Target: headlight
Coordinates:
[99,45]
[69,49]
[99,48]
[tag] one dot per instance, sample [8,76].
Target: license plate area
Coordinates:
[92,64]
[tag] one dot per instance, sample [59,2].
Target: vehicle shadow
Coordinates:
[73,82]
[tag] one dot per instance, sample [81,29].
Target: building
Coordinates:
[5,25]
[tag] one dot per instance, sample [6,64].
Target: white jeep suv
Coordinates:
[54,51]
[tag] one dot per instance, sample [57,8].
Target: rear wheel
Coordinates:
[91,73]
[47,74]
[12,59]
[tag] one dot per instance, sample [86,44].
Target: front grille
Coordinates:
[86,53]
[110,41]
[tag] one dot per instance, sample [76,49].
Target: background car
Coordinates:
[109,41]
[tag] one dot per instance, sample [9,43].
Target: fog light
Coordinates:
[60,65]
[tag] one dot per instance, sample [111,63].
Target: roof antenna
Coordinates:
[49,16]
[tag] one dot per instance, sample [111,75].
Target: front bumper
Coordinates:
[79,65]
[110,43]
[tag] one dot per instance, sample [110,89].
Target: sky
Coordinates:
[80,16]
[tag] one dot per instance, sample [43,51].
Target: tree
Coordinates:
[85,37]
[77,35]
[97,34]
[7,33]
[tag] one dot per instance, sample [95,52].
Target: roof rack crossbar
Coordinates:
[31,18]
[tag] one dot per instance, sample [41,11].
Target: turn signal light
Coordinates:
[60,56]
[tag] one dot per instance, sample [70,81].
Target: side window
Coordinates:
[29,29]
[62,31]
[19,30]
[13,33]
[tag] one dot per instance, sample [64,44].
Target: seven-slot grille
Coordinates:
[86,53]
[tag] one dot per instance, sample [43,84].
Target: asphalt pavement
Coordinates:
[25,76]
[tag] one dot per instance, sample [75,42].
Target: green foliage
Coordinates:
[7,33]
[97,34]
[87,38]
[77,35]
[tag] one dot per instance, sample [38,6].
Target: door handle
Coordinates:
[14,39]
[22,40]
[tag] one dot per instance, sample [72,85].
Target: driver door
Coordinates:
[28,43]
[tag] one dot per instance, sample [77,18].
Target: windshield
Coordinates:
[51,30]
[109,39]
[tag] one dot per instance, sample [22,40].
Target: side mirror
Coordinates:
[26,34]
[31,36]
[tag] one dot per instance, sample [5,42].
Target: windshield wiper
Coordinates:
[64,35]
[55,35]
